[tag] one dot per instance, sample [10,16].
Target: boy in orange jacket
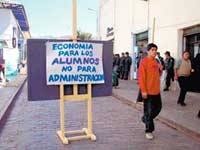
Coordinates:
[149,83]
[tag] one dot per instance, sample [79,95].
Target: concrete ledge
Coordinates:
[164,120]
[9,105]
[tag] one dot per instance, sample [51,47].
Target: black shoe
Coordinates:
[178,102]
[166,89]
[183,104]
[198,115]
[143,119]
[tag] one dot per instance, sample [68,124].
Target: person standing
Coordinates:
[115,74]
[138,60]
[182,73]
[195,81]
[169,67]
[116,62]
[122,66]
[161,60]
[149,83]
[127,67]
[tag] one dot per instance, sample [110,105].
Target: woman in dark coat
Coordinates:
[196,75]
[195,80]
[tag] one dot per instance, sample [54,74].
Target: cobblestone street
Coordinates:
[33,126]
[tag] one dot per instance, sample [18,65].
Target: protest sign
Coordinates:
[74,63]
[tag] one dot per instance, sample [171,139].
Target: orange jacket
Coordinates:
[149,76]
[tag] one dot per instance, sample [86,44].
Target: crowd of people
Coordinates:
[186,71]
[177,70]
[121,67]
[151,67]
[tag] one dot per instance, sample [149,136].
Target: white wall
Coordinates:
[106,17]
[11,55]
[117,14]
[131,16]
[7,23]
[139,16]
[123,37]
[171,17]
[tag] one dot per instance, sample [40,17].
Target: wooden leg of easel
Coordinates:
[62,109]
[89,107]
[75,89]
[61,132]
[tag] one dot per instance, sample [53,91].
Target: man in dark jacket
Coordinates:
[122,66]
[138,60]
[161,60]
[169,67]
[116,63]
[194,78]
[128,62]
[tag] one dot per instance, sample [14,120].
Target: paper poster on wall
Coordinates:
[74,63]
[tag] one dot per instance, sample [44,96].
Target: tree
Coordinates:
[83,35]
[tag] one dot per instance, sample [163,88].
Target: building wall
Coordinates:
[171,17]
[6,26]
[4,17]
[139,16]
[122,28]
[10,54]
[106,17]
[135,16]
[117,14]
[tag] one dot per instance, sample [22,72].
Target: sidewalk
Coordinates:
[8,94]
[181,118]
[32,125]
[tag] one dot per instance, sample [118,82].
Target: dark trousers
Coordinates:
[126,75]
[152,107]
[169,77]
[121,70]
[184,84]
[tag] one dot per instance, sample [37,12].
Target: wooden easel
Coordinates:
[76,97]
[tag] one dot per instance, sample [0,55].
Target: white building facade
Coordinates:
[12,39]
[174,25]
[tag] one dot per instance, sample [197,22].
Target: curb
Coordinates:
[8,108]
[168,122]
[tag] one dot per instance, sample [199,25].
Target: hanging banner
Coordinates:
[74,63]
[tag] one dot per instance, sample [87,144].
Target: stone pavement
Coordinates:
[33,126]
[182,118]
[9,93]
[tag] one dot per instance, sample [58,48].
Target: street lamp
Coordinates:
[97,25]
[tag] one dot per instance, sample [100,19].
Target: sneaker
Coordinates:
[149,136]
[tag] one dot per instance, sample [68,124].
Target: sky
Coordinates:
[54,17]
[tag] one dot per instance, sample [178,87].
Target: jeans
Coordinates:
[152,107]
